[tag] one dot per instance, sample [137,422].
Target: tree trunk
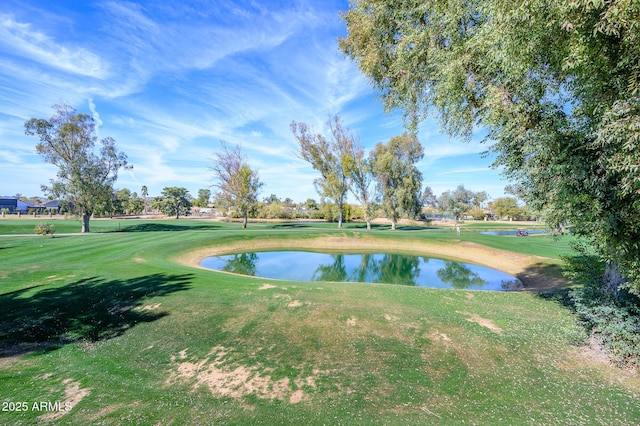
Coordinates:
[340,218]
[611,279]
[85,222]
[367,216]
[244,221]
[393,225]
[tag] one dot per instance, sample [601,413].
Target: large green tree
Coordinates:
[398,179]
[356,166]
[204,196]
[556,83]
[85,178]
[329,159]
[173,201]
[457,202]
[238,185]
[506,207]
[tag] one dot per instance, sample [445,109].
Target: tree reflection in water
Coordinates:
[459,276]
[373,267]
[335,271]
[387,268]
[242,263]
[398,269]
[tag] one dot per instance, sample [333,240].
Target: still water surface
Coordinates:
[380,268]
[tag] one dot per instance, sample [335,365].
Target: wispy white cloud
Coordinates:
[169,80]
[10,157]
[96,116]
[21,39]
[466,171]
[169,45]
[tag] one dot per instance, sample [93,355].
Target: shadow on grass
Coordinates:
[91,310]
[548,282]
[157,227]
[543,277]
[289,225]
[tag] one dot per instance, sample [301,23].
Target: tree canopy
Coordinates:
[329,159]
[173,201]
[457,202]
[85,179]
[238,185]
[399,181]
[356,167]
[557,84]
[204,196]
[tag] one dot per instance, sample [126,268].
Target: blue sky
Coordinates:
[169,80]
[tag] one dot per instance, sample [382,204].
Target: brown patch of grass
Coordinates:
[438,337]
[229,379]
[148,307]
[73,395]
[592,360]
[105,411]
[267,287]
[487,323]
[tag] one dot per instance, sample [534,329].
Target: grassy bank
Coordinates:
[114,326]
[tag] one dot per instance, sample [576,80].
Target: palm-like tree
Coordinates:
[144,196]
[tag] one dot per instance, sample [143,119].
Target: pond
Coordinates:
[514,232]
[379,268]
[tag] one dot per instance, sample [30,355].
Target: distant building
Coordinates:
[51,206]
[14,205]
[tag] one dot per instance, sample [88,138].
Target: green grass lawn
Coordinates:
[112,326]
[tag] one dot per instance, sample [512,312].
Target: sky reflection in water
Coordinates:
[379,268]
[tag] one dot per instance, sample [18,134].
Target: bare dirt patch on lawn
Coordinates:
[228,379]
[73,395]
[487,323]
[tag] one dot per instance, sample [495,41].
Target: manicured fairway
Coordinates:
[121,328]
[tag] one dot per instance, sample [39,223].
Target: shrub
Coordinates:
[477,214]
[613,320]
[45,229]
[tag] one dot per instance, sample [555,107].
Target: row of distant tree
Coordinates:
[175,201]
[385,181]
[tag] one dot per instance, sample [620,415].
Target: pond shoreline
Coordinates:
[527,268]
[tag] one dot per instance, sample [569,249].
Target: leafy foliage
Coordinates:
[173,201]
[330,158]
[457,202]
[507,207]
[84,179]
[399,181]
[204,196]
[126,202]
[238,185]
[556,83]
[358,168]
[45,229]
[613,321]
